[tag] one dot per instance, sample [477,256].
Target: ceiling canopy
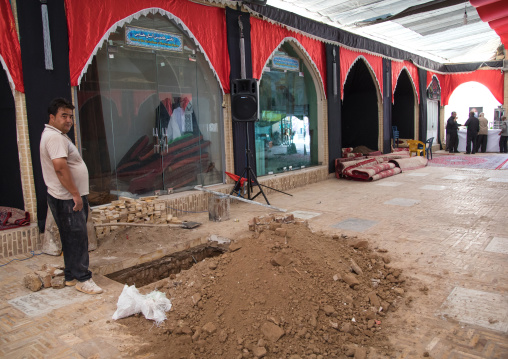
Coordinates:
[446,31]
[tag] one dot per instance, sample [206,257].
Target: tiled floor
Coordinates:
[446,228]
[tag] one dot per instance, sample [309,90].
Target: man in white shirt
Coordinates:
[66,176]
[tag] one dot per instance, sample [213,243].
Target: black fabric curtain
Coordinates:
[422,76]
[42,85]
[360,117]
[403,109]
[240,129]
[387,105]
[11,191]
[334,105]
[331,33]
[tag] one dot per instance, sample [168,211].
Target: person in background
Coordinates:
[451,129]
[473,126]
[66,176]
[482,134]
[503,136]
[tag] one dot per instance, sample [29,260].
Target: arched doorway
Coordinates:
[160,121]
[360,113]
[472,95]
[11,192]
[287,135]
[403,108]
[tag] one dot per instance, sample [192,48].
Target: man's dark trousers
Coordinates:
[471,138]
[481,143]
[73,234]
[454,141]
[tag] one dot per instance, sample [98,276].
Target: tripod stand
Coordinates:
[249,174]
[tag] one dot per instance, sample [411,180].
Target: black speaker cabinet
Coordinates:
[244,100]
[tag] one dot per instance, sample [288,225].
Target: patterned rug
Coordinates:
[488,162]
[13,218]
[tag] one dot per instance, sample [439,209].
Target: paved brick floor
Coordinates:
[447,228]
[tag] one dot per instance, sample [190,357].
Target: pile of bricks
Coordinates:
[49,276]
[272,222]
[129,210]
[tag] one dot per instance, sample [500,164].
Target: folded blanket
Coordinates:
[365,173]
[410,163]
[386,173]
[13,218]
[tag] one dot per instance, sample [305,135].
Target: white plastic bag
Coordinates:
[153,305]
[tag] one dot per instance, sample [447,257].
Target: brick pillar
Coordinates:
[25,157]
[324,122]
[442,126]
[228,134]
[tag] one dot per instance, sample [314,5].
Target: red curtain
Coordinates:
[10,51]
[266,37]
[349,57]
[397,68]
[89,21]
[492,79]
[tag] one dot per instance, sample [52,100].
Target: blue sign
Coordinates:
[286,63]
[136,36]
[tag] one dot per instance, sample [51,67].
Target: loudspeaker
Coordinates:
[244,100]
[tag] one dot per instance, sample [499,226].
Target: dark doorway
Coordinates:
[11,192]
[360,121]
[403,110]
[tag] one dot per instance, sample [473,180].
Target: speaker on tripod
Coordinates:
[245,108]
[245,100]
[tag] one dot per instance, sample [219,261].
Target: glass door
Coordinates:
[136,151]
[182,142]
[432,119]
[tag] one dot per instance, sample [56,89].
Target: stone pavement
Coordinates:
[447,228]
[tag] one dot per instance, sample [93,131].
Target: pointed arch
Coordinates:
[492,79]
[91,22]
[374,63]
[412,71]
[306,56]
[267,37]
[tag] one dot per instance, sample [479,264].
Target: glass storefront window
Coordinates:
[150,113]
[286,133]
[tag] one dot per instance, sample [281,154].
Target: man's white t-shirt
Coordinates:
[55,144]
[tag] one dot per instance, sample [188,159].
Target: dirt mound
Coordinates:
[280,292]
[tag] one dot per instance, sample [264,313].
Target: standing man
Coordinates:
[451,129]
[483,134]
[66,177]
[503,136]
[473,126]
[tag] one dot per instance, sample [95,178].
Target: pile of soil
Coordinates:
[281,291]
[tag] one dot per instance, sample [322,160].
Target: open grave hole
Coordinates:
[150,272]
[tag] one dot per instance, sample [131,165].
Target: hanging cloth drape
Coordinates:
[46,36]
[347,60]
[266,38]
[10,51]
[90,23]
[492,79]
[397,68]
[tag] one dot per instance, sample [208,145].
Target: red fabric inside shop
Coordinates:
[397,68]
[10,51]
[267,37]
[88,22]
[349,57]
[492,79]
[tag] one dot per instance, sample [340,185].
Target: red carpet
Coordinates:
[480,161]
